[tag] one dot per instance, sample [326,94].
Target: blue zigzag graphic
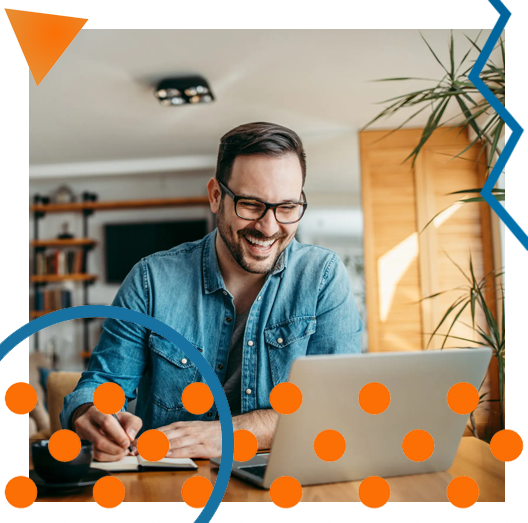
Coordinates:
[509,120]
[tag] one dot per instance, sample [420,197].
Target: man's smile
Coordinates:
[259,246]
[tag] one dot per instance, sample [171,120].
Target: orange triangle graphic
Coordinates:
[43,38]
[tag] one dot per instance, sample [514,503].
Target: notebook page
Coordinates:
[126,464]
[180,463]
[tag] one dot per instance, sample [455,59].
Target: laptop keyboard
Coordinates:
[258,470]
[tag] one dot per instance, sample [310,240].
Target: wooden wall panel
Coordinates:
[391,261]
[466,230]
[404,261]
[458,233]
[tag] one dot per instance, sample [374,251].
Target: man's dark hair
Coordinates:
[257,138]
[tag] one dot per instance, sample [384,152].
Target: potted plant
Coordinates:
[487,127]
[491,333]
[475,113]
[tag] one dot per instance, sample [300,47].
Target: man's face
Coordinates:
[270,179]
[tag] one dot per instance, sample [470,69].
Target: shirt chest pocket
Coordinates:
[286,341]
[172,371]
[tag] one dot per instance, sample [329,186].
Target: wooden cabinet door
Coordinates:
[405,261]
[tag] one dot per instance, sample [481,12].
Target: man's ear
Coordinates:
[215,194]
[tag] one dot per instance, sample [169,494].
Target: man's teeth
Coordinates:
[261,243]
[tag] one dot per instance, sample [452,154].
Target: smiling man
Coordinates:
[248,296]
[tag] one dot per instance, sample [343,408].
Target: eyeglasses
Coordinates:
[253,210]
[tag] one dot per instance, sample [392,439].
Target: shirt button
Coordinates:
[280,340]
[250,343]
[183,361]
[229,320]
[220,366]
[209,414]
[225,293]
[248,391]
[258,299]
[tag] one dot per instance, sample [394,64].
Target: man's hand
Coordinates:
[203,439]
[194,439]
[110,439]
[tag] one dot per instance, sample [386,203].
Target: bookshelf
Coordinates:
[38,314]
[120,205]
[53,278]
[85,244]
[74,242]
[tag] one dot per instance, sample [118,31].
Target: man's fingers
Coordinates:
[103,456]
[194,451]
[175,426]
[186,441]
[111,427]
[180,432]
[100,441]
[130,423]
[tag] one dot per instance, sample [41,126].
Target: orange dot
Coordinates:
[21,492]
[21,398]
[374,492]
[463,398]
[109,398]
[286,398]
[197,398]
[64,445]
[374,398]
[329,445]
[246,445]
[153,445]
[418,445]
[196,491]
[109,492]
[463,492]
[506,445]
[286,492]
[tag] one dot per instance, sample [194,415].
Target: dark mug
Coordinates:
[52,470]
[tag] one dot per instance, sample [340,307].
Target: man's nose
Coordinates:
[268,225]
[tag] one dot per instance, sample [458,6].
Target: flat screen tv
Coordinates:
[127,243]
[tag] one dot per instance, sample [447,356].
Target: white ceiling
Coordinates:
[97,103]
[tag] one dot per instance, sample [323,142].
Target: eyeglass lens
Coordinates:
[253,210]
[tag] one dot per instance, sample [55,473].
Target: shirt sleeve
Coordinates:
[122,352]
[339,326]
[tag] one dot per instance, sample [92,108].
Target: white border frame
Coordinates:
[14,224]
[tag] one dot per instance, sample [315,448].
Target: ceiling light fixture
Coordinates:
[183,90]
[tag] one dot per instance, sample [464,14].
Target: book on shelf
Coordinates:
[52,299]
[60,262]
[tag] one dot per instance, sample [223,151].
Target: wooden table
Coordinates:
[473,459]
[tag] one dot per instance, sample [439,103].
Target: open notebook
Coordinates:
[137,463]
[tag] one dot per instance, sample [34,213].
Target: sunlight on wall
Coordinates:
[391,268]
[394,263]
[446,214]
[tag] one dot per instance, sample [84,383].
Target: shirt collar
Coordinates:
[213,280]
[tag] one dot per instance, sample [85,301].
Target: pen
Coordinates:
[130,446]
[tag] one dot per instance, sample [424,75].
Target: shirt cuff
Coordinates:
[72,402]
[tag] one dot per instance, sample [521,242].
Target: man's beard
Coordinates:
[233,241]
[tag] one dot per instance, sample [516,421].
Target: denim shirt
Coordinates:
[304,307]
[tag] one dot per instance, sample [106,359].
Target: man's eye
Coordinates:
[249,205]
[288,208]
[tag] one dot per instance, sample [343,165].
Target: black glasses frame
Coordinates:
[268,205]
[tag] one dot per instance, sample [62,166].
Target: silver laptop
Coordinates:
[418,383]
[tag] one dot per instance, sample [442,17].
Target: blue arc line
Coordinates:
[509,120]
